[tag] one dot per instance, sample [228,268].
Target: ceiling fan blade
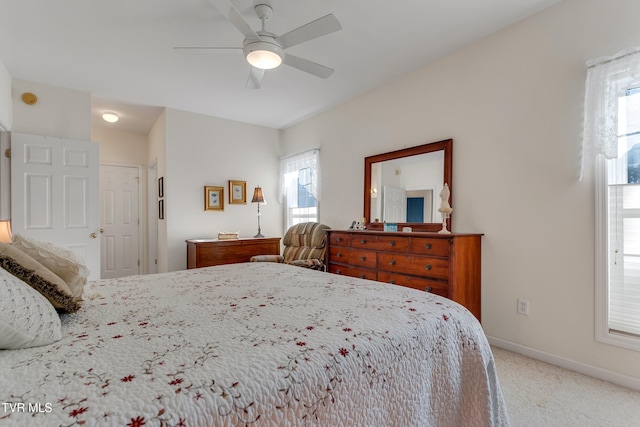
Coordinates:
[255,76]
[314,29]
[231,13]
[308,66]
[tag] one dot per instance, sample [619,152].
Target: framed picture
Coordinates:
[161,209]
[161,186]
[237,192]
[213,198]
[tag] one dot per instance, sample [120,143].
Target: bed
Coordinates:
[255,344]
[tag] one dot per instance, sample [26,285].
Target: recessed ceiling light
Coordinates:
[110,117]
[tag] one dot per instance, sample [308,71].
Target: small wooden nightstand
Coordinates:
[208,252]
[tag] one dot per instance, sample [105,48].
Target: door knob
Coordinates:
[94,235]
[101,230]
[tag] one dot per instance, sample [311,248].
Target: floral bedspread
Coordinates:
[257,344]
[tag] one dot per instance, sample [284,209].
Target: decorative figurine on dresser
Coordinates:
[426,255]
[445,208]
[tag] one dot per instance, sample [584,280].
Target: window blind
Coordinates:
[624,258]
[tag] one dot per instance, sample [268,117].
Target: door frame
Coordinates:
[152,215]
[142,226]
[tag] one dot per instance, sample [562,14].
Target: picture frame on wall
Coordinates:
[237,192]
[161,209]
[213,198]
[161,187]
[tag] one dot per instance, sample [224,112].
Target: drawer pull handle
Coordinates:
[363,241]
[363,258]
[428,245]
[393,282]
[339,239]
[392,262]
[362,276]
[338,271]
[392,243]
[339,254]
[428,266]
[427,289]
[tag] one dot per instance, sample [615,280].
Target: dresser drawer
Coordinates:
[433,286]
[360,258]
[347,270]
[380,243]
[423,266]
[428,246]
[355,257]
[339,239]
[339,254]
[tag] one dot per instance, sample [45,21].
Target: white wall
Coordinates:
[59,112]
[6,109]
[512,103]
[202,151]
[117,146]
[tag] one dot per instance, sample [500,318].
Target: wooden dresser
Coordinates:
[208,252]
[445,264]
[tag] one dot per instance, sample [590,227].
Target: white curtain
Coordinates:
[607,80]
[292,164]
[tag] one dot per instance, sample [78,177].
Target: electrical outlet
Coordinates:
[523,307]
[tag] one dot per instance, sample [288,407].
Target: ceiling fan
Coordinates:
[264,50]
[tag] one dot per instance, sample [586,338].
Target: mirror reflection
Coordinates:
[404,189]
[403,186]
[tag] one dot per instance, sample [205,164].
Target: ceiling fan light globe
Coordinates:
[265,54]
[264,59]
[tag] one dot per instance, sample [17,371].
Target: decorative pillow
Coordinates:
[26,317]
[314,264]
[64,263]
[38,277]
[267,258]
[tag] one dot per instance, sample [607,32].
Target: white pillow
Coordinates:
[27,318]
[61,261]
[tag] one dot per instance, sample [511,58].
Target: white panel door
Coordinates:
[119,187]
[54,193]
[394,204]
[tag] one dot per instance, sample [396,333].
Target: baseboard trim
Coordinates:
[572,365]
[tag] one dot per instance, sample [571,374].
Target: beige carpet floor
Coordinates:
[541,395]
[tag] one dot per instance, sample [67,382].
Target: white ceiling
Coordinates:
[121,51]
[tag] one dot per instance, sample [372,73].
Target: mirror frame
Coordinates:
[445,145]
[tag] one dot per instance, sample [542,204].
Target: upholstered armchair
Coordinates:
[304,246]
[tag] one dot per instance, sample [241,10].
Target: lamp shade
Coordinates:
[258,197]
[5,231]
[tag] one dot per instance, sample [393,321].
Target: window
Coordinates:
[617,198]
[623,225]
[300,185]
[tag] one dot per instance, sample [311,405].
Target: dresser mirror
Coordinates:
[403,186]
